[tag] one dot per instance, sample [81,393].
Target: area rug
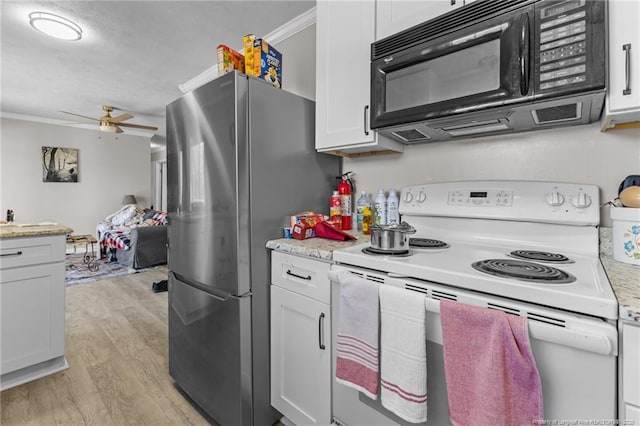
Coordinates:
[78,273]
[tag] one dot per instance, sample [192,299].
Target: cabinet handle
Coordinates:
[321,331]
[18,253]
[366,120]
[308,277]
[627,69]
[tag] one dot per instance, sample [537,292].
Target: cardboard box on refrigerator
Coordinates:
[262,60]
[229,60]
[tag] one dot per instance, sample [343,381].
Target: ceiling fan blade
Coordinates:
[118,129]
[137,126]
[121,117]
[79,115]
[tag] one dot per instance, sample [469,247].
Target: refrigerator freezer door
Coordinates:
[202,140]
[209,351]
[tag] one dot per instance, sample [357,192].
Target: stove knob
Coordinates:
[422,197]
[581,200]
[408,197]
[555,199]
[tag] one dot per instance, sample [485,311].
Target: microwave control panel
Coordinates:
[563,44]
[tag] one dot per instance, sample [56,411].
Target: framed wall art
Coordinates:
[59,164]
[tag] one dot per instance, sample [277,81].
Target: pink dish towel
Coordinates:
[492,378]
[357,339]
[403,353]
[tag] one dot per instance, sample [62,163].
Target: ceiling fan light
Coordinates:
[55,26]
[105,127]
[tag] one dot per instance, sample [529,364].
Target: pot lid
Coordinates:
[401,227]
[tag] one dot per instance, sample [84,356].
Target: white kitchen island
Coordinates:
[32,302]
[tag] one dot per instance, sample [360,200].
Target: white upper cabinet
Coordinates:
[344,33]
[393,16]
[623,98]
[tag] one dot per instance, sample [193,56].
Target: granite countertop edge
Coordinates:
[8,231]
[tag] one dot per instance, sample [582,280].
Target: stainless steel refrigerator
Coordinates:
[240,159]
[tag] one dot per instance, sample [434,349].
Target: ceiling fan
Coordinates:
[113,124]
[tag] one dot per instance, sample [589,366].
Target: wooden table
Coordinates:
[89,256]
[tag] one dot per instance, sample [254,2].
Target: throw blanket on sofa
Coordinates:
[116,235]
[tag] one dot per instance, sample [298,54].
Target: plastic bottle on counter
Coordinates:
[393,216]
[367,220]
[363,202]
[381,208]
[335,210]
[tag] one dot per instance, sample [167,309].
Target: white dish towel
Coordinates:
[357,339]
[403,353]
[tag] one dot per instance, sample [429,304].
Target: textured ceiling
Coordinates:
[132,56]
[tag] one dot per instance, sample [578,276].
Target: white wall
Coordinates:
[580,154]
[299,63]
[110,166]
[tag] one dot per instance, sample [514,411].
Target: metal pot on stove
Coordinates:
[391,238]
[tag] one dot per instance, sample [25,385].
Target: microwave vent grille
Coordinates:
[441,25]
[411,135]
[554,114]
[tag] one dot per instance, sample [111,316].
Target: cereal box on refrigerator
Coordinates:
[265,61]
[229,60]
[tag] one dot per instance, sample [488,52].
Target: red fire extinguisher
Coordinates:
[344,189]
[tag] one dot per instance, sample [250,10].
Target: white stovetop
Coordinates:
[589,294]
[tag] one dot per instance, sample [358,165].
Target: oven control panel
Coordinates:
[488,198]
[534,201]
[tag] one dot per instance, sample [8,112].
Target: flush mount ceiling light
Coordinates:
[55,26]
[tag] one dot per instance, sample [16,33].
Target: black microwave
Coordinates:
[490,67]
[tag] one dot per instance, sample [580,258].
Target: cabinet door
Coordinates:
[344,33]
[300,358]
[393,16]
[624,55]
[31,315]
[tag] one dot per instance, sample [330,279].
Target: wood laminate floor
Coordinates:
[116,346]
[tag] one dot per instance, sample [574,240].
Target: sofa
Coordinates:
[148,247]
[134,237]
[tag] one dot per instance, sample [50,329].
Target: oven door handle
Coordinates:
[578,339]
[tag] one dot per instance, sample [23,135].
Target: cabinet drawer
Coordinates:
[301,275]
[17,252]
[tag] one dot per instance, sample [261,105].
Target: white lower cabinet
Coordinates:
[32,309]
[630,375]
[300,341]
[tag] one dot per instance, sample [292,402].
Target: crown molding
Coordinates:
[276,36]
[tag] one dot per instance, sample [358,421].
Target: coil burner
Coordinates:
[540,256]
[427,243]
[524,271]
[380,252]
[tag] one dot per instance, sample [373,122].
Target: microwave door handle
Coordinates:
[524,54]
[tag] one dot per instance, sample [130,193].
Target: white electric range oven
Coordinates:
[526,248]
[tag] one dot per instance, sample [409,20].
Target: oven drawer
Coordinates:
[302,275]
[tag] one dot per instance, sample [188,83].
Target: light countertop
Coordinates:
[318,248]
[624,277]
[19,230]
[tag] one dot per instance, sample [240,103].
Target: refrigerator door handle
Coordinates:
[218,296]
[321,331]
